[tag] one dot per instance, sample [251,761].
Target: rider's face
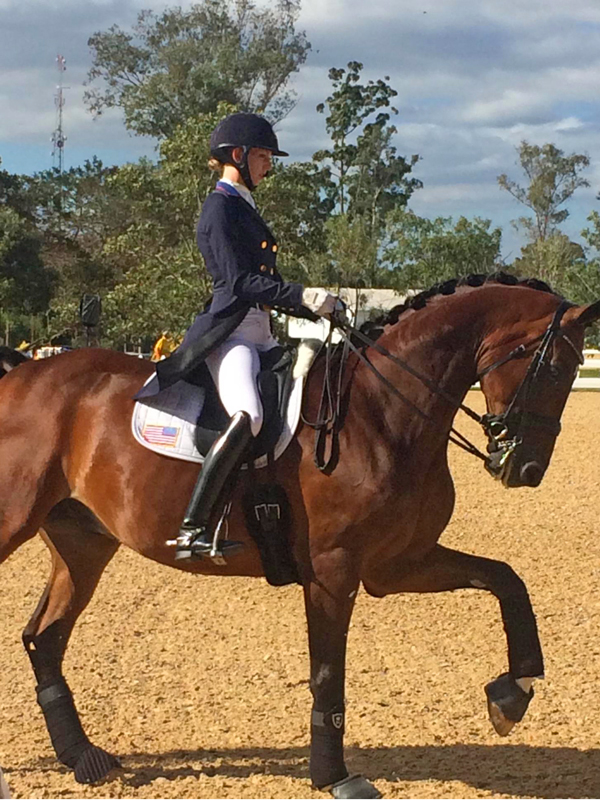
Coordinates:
[259,163]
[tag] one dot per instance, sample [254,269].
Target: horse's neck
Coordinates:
[441,344]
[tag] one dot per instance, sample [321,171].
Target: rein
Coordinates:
[460,440]
[495,426]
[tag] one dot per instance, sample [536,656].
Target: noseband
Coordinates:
[495,426]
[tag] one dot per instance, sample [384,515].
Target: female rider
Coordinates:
[240,255]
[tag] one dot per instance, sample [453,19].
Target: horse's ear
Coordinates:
[584,315]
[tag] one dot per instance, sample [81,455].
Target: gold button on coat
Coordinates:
[263,268]
[264,245]
[274,248]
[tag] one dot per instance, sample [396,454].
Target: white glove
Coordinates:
[319,301]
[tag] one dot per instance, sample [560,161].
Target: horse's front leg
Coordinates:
[444,569]
[329,596]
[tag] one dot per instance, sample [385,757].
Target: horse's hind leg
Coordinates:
[443,570]
[80,552]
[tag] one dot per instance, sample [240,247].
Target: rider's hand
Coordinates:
[319,301]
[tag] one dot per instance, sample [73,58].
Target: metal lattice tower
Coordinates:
[58,137]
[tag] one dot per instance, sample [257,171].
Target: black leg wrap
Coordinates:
[506,693]
[70,743]
[524,649]
[327,748]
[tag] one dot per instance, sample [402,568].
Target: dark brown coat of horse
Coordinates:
[71,470]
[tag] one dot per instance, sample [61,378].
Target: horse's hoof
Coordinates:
[354,787]
[94,764]
[507,703]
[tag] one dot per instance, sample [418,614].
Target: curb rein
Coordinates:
[495,426]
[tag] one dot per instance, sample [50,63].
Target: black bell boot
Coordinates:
[197,536]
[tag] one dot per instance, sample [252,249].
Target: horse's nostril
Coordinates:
[531,474]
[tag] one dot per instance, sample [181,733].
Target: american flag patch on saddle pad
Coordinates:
[161,434]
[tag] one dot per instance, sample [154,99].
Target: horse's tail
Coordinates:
[9,359]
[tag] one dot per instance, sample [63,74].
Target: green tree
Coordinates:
[379,183]
[589,278]
[362,171]
[76,212]
[181,63]
[164,281]
[556,260]
[362,177]
[421,252]
[353,253]
[553,179]
[26,285]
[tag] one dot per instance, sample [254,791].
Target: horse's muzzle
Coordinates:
[513,471]
[531,474]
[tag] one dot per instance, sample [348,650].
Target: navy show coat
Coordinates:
[240,253]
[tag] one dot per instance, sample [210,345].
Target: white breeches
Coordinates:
[235,364]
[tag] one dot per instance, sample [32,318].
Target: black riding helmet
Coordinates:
[246,131]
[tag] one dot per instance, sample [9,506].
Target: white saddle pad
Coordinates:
[171,435]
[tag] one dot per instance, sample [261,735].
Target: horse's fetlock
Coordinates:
[327,750]
[62,720]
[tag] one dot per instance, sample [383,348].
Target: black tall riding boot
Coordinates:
[220,465]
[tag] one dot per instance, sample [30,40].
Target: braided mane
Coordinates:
[375,327]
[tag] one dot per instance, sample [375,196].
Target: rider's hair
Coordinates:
[215,165]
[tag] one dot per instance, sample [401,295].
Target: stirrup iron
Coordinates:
[190,546]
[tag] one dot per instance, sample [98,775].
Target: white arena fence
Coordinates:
[588,376]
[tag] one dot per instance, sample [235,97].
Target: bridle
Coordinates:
[504,431]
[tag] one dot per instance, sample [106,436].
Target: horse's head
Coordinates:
[526,371]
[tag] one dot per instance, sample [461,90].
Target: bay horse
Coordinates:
[71,470]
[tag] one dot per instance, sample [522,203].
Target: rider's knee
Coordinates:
[256,422]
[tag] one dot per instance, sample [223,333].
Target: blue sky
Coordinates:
[474,78]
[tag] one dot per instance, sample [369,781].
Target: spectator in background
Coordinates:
[24,348]
[163,346]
